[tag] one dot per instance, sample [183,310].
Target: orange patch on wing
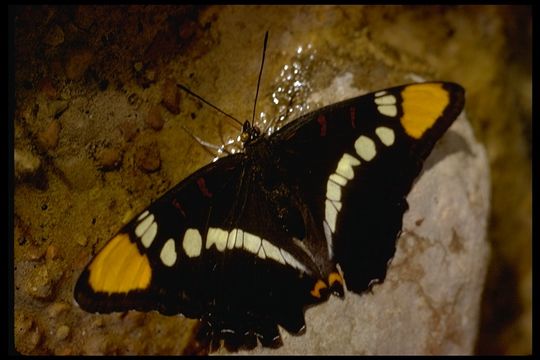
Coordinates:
[333,277]
[422,105]
[119,267]
[316,291]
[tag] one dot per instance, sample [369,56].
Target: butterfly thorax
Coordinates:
[249,133]
[273,184]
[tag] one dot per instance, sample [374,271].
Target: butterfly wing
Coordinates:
[141,268]
[211,248]
[355,163]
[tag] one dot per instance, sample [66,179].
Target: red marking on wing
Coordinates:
[202,186]
[322,123]
[177,205]
[353,117]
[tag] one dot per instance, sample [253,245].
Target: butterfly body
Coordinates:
[249,241]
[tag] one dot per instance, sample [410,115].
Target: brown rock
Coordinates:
[80,173]
[56,309]
[52,252]
[170,97]
[108,159]
[40,289]
[35,338]
[48,138]
[154,118]
[148,158]
[62,332]
[35,253]
[26,163]
[78,63]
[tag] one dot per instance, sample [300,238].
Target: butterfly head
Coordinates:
[249,133]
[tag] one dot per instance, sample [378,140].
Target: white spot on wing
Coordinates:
[337,204]
[386,100]
[261,253]
[231,239]
[330,215]
[365,147]
[333,191]
[143,226]
[239,238]
[388,110]
[192,243]
[338,179]
[386,135]
[149,235]
[272,252]
[143,215]
[218,237]
[328,236]
[380,93]
[168,253]
[293,262]
[252,243]
[345,165]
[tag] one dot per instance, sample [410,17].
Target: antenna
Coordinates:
[260,74]
[208,103]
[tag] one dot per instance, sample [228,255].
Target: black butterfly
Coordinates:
[248,242]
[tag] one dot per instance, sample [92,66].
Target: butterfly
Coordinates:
[250,241]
